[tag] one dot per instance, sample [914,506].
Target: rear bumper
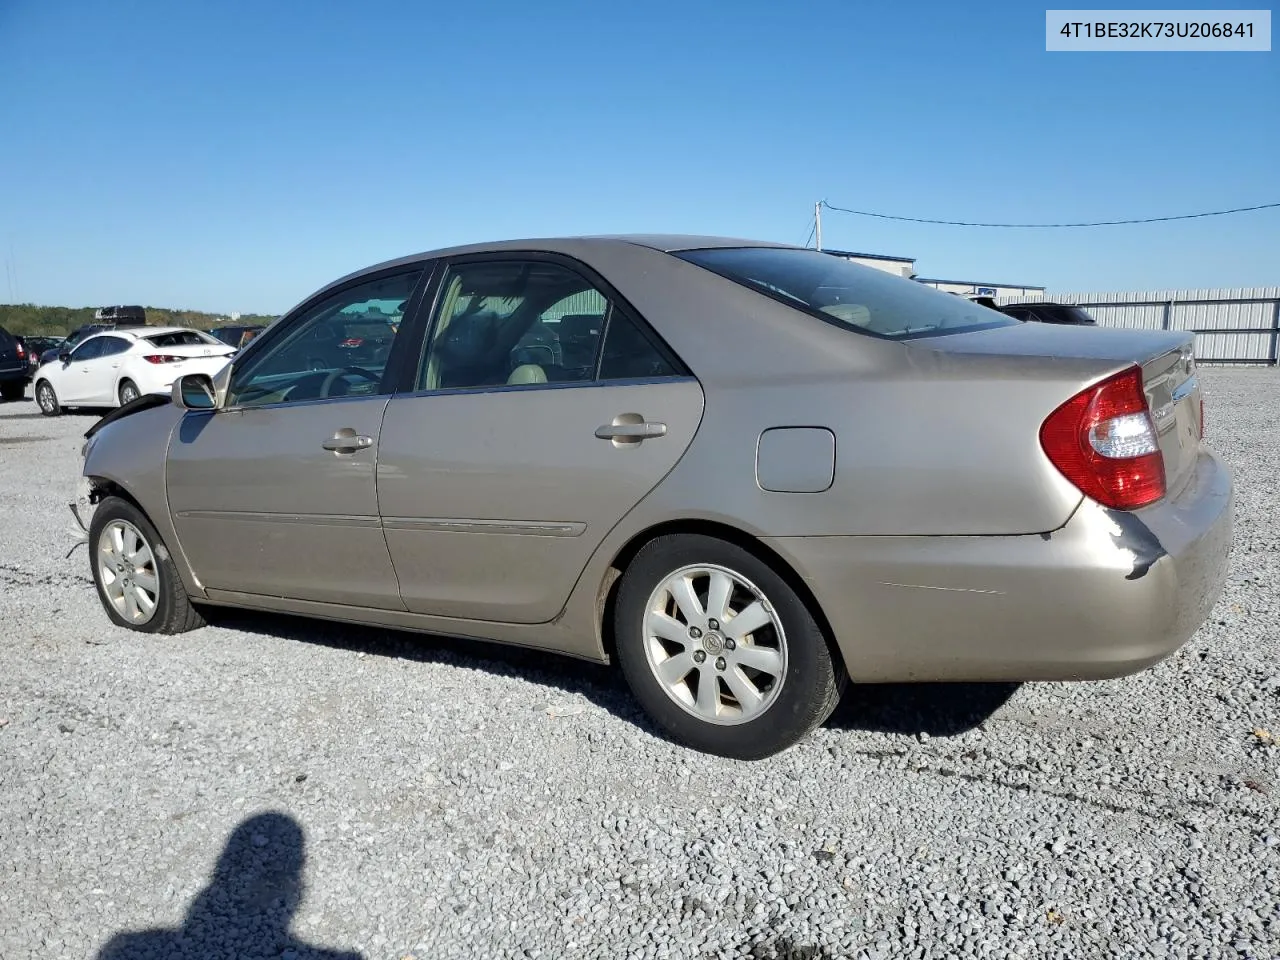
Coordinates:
[1106,595]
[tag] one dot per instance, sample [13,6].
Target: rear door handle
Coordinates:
[631,428]
[347,440]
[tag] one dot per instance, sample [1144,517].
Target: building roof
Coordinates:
[979,283]
[868,256]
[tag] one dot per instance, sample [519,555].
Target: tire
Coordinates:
[782,706]
[12,390]
[114,569]
[128,391]
[47,399]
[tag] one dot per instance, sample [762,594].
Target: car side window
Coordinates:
[338,347]
[629,354]
[110,346]
[513,323]
[89,350]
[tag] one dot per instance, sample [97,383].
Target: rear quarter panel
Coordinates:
[927,442]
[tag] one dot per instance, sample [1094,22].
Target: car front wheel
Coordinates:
[720,651]
[137,581]
[47,399]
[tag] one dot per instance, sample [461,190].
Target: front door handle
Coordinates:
[630,428]
[347,440]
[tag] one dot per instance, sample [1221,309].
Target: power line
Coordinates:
[812,227]
[1095,223]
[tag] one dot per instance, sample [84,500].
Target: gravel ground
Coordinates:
[270,784]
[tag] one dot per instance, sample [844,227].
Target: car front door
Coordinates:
[274,493]
[542,411]
[74,380]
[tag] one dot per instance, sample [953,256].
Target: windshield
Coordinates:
[847,294]
[182,338]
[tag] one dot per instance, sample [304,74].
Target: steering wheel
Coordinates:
[335,374]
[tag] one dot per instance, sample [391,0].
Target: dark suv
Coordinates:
[15,369]
[1044,311]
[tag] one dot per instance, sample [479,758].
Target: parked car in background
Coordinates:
[744,471]
[237,335]
[1044,311]
[37,347]
[111,369]
[15,371]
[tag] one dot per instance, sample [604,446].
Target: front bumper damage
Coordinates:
[82,507]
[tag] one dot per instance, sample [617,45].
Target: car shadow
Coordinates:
[936,709]
[599,684]
[247,907]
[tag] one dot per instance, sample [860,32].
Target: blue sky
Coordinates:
[230,155]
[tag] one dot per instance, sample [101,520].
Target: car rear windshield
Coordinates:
[181,338]
[847,294]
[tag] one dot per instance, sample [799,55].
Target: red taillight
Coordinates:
[22,352]
[352,342]
[162,358]
[1104,441]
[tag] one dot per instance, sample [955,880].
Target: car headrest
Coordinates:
[527,373]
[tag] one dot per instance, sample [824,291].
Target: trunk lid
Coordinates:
[1166,357]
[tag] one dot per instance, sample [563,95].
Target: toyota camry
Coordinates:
[743,472]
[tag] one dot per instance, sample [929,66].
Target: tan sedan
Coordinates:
[742,471]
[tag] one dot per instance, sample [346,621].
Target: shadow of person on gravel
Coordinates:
[938,709]
[247,908]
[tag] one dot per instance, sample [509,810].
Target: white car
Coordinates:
[112,368]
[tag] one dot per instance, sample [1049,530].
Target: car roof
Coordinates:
[575,246]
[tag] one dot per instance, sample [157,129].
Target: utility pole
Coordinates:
[817,223]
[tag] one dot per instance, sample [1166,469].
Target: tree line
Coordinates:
[29,320]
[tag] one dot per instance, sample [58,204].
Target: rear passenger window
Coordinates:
[113,345]
[513,323]
[527,323]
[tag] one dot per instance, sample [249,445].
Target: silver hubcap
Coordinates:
[46,397]
[715,644]
[128,393]
[127,569]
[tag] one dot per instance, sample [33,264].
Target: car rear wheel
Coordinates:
[137,581]
[720,651]
[47,399]
[128,392]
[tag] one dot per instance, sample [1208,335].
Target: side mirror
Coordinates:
[64,356]
[194,391]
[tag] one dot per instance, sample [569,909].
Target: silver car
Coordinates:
[742,471]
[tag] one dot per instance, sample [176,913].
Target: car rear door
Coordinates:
[527,434]
[273,495]
[101,373]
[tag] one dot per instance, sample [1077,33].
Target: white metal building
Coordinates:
[906,267]
[978,288]
[898,266]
